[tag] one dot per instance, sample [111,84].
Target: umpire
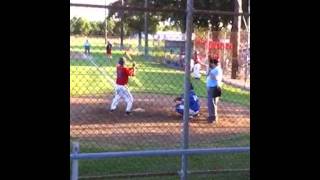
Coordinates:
[214,79]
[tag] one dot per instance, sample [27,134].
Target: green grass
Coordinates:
[132,165]
[151,78]
[168,164]
[242,139]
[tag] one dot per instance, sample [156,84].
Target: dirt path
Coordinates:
[158,126]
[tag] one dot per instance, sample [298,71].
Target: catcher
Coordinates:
[194,105]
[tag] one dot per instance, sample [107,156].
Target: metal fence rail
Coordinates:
[152,9]
[169,152]
[76,155]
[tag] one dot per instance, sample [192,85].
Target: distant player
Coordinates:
[194,105]
[109,49]
[121,90]
[87,47]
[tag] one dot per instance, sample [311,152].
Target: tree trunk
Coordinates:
[235,39]
[139,39]
[121,27]
[183,24]
[214,35]
[214,31]
[105,31]
[146,48]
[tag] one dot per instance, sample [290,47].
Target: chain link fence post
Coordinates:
[75,165]
[185,130]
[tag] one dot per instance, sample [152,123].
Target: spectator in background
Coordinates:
[193,60]
[196,70]
[181,58]
[191,65]
[195,55]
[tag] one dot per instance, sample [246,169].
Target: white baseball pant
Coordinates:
[122,92]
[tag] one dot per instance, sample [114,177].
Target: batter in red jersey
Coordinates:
[121,90]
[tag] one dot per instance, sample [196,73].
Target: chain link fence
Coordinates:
[219,44]
[153,124]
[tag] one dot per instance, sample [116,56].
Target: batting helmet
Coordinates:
[121,61]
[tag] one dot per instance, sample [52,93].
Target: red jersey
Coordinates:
[123,73]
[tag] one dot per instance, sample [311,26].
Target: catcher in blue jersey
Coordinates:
[194,105]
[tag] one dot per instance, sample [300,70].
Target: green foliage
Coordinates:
[80,26]
[200,20]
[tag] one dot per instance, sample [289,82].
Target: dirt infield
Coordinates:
[156,124]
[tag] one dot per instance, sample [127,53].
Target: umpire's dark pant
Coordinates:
[212,102]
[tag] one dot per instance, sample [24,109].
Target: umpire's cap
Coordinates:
[214,61]
[121,61]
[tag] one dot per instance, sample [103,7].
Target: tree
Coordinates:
[95,30]
[80,26]
[72,24]
[134,21]
[179,19]
[199,20]
[135,25]
[110,25]
[85,27]
[77,24]
[117,29]
[235,39]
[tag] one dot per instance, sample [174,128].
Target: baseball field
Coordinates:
[154,124]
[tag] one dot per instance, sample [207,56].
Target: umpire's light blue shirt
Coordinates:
[217,73]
